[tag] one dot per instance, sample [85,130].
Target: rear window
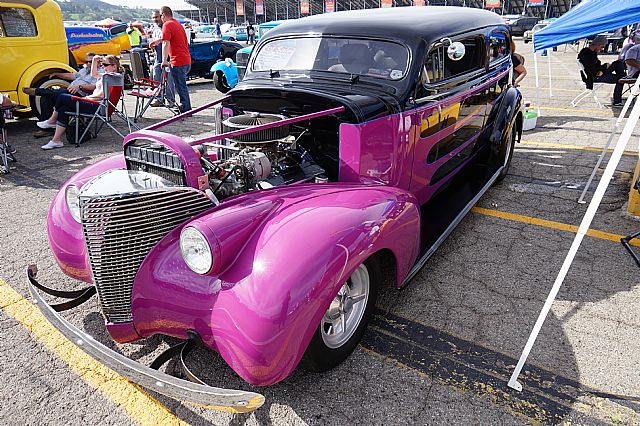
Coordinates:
[439,67]
[17,22]
[498,46]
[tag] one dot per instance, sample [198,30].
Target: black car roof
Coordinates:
[424,22]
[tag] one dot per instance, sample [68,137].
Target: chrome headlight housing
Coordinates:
[195,250]
[73,201]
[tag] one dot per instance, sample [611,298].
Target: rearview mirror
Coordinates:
[456,51]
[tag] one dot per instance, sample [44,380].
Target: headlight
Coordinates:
[195,250]
[73,202]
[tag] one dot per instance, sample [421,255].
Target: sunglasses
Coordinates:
[106,65]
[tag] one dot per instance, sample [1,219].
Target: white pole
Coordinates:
[582,230]
[634,94]
[535,65]
[549,62]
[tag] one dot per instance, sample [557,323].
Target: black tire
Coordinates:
[220,82]
[319,356]
[45,83]
[506,152]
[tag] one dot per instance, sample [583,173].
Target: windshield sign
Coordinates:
[373,58]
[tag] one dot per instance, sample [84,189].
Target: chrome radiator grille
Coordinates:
[119,232]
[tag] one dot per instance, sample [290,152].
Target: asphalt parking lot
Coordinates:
[439,351]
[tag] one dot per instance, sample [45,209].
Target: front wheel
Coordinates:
[345,321]
[506,153]
[220,82]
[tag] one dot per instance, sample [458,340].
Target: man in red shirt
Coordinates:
[175,51]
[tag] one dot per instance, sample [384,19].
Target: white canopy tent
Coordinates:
[588,18]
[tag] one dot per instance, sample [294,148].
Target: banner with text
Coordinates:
[536,2]
[239,8]
[386,3]
[259,7]
[329,6]
[492,4]
[304,7]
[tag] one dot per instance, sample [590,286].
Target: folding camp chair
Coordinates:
[113,85]
[7,152]
[626,241]
[147,90]
[590,88]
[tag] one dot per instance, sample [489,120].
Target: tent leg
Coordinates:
[535,65]
[549,64]
[582,230]
[635,90]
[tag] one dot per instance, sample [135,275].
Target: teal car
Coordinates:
[226,74]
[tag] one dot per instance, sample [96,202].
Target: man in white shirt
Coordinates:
[156,43]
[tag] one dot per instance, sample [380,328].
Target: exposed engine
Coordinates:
[257,160]
[241,163]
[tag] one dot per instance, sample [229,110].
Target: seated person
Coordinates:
[353,59]
[598,72]
[632,58]
[6,101]
[65,102]
[82,84]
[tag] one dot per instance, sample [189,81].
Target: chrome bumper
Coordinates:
[229,400]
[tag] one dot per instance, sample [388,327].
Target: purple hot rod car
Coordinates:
[355,143]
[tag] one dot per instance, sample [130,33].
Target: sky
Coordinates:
[152,4]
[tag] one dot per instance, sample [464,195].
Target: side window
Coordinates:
[498,46]
[17,22]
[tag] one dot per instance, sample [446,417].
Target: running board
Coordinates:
[433,247]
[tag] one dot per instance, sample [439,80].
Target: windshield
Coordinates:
[538,27]
[374,58]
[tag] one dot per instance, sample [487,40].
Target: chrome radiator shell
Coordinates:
[124,214]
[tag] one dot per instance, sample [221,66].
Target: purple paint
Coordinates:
[256,312]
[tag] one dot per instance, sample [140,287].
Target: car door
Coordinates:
[452,103]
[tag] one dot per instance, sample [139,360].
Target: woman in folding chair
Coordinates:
[66,102]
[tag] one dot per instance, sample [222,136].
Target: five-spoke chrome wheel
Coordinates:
[347,309]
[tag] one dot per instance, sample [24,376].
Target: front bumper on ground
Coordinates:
[192,393]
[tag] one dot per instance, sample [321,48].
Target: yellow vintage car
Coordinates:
[32,46]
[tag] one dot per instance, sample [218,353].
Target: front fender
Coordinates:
[65,234]
[301,245]
[37,71]
[229,69]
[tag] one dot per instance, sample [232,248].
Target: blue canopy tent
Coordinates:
[588,18]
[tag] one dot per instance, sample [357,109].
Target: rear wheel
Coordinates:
[45,83]
[220,82]
[506,153]
[345,321]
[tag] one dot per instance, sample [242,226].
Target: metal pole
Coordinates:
[549,62]
[634,94]
[535,65]
[582,230]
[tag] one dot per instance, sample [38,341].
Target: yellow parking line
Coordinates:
[550,224]
[139,405]
[565,146]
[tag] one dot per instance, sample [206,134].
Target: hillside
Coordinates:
[95,10]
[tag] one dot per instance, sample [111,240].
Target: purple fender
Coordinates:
[282,256]
[65,234]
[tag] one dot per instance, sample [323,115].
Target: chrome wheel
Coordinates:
[347,309]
